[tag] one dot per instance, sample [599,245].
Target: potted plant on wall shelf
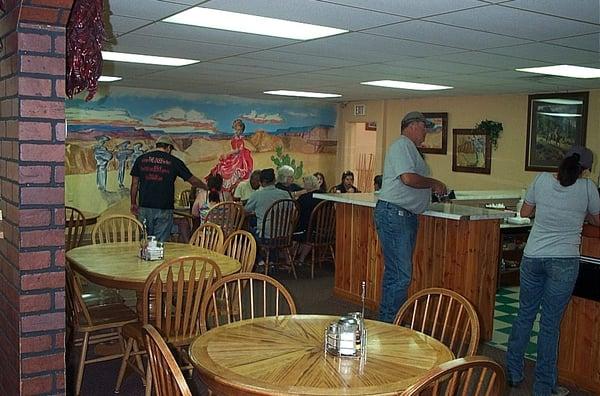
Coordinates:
[492,129]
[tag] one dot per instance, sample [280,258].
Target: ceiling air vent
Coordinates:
[360,110]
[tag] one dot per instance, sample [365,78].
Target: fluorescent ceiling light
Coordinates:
[406,85]
[564,71]
[560,114]
[560,101]
[303,94]
[147,59]
[245,23]
[109,78]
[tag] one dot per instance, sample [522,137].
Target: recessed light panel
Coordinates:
[109,78]
[304,94]
[564,71]
[406,85]
[246,23]
[146,59]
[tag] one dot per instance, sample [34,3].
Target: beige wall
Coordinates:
[508,161]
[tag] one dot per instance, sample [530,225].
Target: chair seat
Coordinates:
[96,295]
[107,317]
[135,331]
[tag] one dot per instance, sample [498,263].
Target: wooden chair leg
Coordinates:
[312,263]
[148,380]
[82,357]
[290,261]
[267,262]
[124,365]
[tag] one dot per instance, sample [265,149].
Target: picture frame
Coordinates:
[471,151]
[370,126]
[555,122]
[436,142]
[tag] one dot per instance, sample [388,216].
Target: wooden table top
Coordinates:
[118,265]
[284,356]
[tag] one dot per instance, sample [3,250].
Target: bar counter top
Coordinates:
[445,210]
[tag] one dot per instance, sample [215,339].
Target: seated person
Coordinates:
[260,200]
[321,180]
[206,200]
[246,187]
[377,180]
[347,184]
[307,203]
[285,179]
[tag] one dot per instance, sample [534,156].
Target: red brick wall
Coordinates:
[32,132]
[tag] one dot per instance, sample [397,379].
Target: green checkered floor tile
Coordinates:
[507,306]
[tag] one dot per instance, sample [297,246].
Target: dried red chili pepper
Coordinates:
[85,36]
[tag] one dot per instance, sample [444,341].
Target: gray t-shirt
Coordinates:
[403,157]
[559,215]
[261,200]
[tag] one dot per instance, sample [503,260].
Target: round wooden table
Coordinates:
[118,265]
[284,356]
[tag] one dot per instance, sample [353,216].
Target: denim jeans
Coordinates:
[546,283]
[397,231]
[158,222]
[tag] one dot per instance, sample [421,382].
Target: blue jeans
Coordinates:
[397,231]
[158,222]
[546,283]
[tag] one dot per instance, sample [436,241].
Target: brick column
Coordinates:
[32,133]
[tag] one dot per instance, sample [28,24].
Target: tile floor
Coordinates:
[507,305]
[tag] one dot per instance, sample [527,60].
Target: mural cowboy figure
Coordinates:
[102,155]
[122,154]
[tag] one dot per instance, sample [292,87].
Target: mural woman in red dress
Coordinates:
[236,165]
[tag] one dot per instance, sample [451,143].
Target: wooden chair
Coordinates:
[184,198]
[228,215]
[470,376]
[241,246]
[74,227]
[117,228]
[92,325]
[244,296]
[320,234]
[166,375]
[444,315]
[277,229]
[209,236]
[171,302]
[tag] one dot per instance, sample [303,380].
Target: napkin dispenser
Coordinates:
[151,249]
[348,336]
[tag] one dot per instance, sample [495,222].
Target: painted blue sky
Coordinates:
[187,113]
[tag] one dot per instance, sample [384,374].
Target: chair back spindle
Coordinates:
[117,229]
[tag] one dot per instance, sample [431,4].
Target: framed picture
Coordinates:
[437,141]
[370,126]
[471,151]
[555,122]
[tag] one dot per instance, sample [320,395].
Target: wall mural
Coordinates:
[214,134]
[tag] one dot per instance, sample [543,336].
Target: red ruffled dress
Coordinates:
[235,167]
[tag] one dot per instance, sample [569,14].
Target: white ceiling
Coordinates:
[473,45]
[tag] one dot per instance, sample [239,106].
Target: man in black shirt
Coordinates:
[153,176]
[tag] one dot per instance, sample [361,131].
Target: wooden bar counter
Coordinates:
[457,248]
[579,348]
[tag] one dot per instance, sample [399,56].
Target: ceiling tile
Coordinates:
[120,24]
[435,65]
[583,10]
[489,60]
[436,33]
[588,42]
[309,11]
[411,8]
[144,9]
[516,23]
[547,53]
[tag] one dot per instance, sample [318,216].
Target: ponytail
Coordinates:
[569,170]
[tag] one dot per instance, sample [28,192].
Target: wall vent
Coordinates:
[360,110]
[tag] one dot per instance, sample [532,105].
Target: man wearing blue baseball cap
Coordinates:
[405,192]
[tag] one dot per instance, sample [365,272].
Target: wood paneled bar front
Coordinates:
[579,347]
[457,248]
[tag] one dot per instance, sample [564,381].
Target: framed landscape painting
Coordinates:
[555,122]
[436,142]
[471,151]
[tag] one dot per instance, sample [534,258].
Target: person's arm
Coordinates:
[593,219]
[135,182]
[415,180]
[194,181]
[527,210]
